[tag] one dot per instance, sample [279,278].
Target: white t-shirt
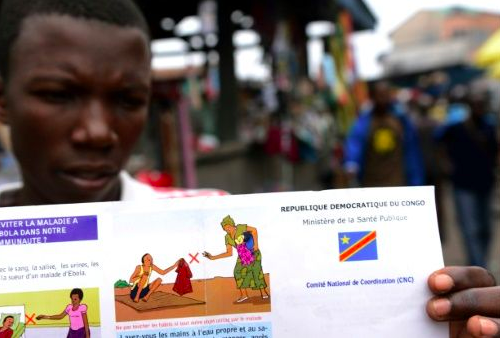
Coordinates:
[133,190]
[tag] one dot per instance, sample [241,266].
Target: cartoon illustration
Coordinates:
[145,296]
[248,269]
[182,283]
[6,329]
[141,288]
[77,313]
[12,322]
[199,287]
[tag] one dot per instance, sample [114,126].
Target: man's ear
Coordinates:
[3,104]
[4,121]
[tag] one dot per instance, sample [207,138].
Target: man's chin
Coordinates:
[87,192]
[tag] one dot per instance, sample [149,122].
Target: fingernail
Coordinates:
[441,306]
[488,327]
[443,282]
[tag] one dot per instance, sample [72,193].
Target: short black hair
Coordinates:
[122,13]
[144,256]
[78,292]
[5,319]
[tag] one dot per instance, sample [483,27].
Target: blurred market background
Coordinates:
[260,95]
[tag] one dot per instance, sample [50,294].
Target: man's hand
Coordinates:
[468,298]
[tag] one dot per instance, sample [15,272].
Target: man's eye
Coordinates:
[130,102]
[55,96]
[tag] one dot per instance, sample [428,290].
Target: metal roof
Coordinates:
[299,11]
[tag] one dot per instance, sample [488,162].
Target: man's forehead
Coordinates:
[55,33]
[50,29]
[41,24]
[87,49]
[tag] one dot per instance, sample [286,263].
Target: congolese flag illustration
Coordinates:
[358,246]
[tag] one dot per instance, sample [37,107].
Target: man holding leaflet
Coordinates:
[74,89]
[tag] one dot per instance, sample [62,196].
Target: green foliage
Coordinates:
[120,284]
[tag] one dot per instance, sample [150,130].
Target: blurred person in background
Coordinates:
[471,149]
[382,147]
[426,124]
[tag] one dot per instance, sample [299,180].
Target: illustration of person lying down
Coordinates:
[141,288]
[6,329]
[77,313]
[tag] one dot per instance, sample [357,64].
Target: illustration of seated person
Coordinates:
[6,329]
[141,287]
[77,313]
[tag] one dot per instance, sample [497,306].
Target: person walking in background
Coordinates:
[382,148]
[426,125]
[471,149]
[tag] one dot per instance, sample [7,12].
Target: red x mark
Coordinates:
[29,319]
[193,258]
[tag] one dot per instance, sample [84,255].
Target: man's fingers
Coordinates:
[465,304]
[457,278]
[477,301]
[439,308]
[479,326]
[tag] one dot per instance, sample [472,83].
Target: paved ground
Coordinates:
[453,248]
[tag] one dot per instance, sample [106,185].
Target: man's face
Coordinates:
[76,101]
[478,104]
[382,95]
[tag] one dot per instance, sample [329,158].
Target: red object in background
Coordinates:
[273,141]
[162,183]
[338,153]
[281,141]
[183,281]
[155,178]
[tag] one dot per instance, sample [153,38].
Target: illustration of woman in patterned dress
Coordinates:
[248,269]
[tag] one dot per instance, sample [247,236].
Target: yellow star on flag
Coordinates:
[345,240]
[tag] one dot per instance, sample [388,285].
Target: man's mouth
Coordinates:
[89,179]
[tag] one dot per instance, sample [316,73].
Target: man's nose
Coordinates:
[95,126]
